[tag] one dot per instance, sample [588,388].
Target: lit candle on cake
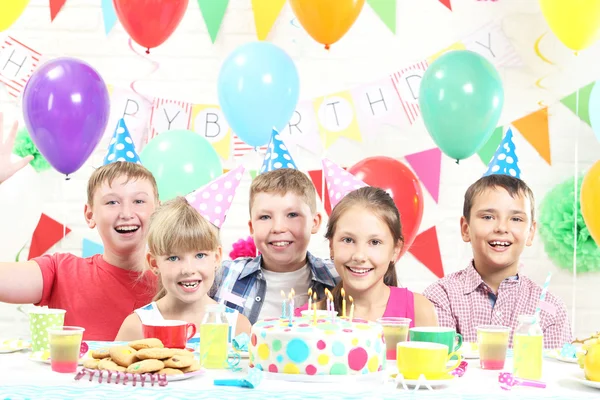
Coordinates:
[327,293]
[283,305]
[343,303]
[291,302]
[332,307]
[315,308]
[310,293]
[351,308]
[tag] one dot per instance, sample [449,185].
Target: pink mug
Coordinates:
[173,334]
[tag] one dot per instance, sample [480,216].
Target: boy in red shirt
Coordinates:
[98,292]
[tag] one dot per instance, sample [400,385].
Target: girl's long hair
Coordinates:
[380,203]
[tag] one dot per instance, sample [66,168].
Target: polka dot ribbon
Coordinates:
[214,199]
[278,155]
[339,181]
[121,147]
[505,161]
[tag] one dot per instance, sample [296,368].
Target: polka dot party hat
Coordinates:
[505,161]
[121,147]
[277,155]
[213,200]
[339,181]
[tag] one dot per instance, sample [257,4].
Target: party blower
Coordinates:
[251,381]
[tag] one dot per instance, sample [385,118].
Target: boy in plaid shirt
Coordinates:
[283,216]
[499,221]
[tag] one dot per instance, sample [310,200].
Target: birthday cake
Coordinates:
[338,347]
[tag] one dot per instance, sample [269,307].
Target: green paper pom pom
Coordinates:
[556,230]
[24,146]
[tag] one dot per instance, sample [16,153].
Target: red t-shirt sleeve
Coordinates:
[48,265]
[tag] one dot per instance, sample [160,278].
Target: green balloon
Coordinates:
[181,162]
[461,98]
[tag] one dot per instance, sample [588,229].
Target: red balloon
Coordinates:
[150,22]
[400,182]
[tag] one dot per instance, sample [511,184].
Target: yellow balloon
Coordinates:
[10,11]
[590,201]
[575,22]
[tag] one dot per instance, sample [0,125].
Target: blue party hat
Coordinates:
[121,147]
[277,155]
[505,161]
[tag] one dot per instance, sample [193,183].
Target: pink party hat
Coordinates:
[213,200]
[339,181]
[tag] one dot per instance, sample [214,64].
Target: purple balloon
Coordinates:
[66,108]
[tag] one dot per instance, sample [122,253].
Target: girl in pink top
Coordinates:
[365,239]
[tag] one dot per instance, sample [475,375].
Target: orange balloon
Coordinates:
[327,21]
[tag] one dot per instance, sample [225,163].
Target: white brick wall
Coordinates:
[189,66]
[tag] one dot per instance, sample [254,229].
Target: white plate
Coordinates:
[566,359]
[373,377]
[12,345]
[170,378]
[469,351]
[581,379]
[44,357]
[423,383]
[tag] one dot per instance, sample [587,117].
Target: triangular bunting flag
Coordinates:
[108,15]
[489,148]
[339,181]
[534,128]
[265,14]
[90,248]
[55,7]
[447,4]
[213,200]
[505,161]
[277,155]
[426,249]
[581,109]
[121,147]
[316,176]
[427,166]
[213,12]
[47,233]
[253,173]
[386,10]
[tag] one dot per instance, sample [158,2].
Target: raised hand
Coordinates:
[7,167]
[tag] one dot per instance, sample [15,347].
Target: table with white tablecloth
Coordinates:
[22,378]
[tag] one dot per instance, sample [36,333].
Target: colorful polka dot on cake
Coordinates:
[263,351]
[290,368]
[311,370]
[276,345]
[321,345]
[323,359]
[357,358]
[297,350]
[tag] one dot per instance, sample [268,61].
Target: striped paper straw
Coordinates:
[543,295]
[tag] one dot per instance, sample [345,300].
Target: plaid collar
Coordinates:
[319,268]
[473,280]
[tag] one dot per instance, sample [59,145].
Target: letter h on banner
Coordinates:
[17,63]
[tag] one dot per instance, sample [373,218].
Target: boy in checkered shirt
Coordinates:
[283,216]
[499,221]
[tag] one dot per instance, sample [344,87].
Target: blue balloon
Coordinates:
[258,89]
[594,109]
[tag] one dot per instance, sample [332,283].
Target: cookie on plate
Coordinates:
[123,355]
[145,366]
[146,343]
[154,353]
[192,368]
[100,353]
[91,363]
[179,362]
[106,364]
[170,371]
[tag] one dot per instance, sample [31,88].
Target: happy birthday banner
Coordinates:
[354,114]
